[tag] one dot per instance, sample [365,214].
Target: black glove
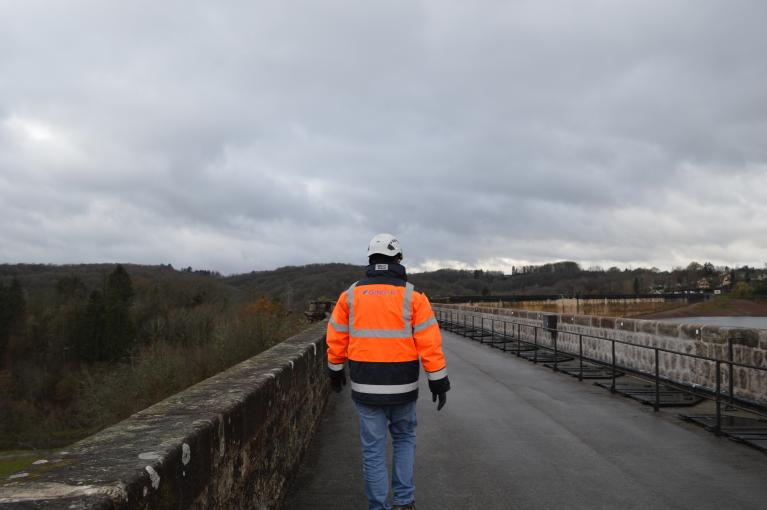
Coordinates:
[442,399]
[438,389]
[337,379]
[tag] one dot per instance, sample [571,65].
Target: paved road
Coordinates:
[516,435]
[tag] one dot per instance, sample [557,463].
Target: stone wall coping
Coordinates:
[696,331]
[179,439]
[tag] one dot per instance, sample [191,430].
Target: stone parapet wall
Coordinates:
[749,346]
[231,441]
[623,306]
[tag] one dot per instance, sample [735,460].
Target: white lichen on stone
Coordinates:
[18,475]
[146,491]
[153,476]
[186,454]
[221,437]
[33,491]
[41,461]
[149,456]
[291,364]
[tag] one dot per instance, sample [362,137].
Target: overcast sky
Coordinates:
[249,135]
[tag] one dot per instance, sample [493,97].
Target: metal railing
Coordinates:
[451,319]
[514,298]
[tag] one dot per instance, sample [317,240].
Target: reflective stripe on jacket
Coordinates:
[382,326]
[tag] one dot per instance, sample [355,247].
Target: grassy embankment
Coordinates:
[719,306]
[14,461]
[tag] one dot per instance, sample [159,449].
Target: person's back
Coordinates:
[381,325]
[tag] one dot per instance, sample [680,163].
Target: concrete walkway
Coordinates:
[516,435]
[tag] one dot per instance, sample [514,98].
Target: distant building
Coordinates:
[704,284]
[725,280]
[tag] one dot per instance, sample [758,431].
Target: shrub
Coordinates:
[742,290]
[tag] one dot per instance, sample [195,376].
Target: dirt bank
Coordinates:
[720,306]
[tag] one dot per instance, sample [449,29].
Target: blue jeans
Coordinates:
[401,422]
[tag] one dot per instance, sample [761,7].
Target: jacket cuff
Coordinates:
[336,376]
[440,385]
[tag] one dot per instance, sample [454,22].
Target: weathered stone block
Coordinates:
[759,358]
[584,320]
[718,351]
[749,337]
[714,334]
[763,340]
[644,326]
[701,349]
[668,329]
[626,324]
[691,331]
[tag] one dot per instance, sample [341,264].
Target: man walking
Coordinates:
[381,325]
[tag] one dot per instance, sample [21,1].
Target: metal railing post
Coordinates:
[657,380]
[612,386]
[504,335]
[718,426]
[580,356]
[556,352]
[519,339]
[731,374]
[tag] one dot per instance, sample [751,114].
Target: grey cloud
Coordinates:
[256,134]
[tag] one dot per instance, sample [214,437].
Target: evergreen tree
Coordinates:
[12,312]
[119,288]
[70,287]
[5,321]
[71,298]
[118,326]
[17,304]
[90,331]
[105,329]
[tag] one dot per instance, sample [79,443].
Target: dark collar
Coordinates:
[392,270]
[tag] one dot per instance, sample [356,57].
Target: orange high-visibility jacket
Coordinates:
[381,325]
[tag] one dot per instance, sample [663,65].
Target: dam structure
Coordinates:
[537,418]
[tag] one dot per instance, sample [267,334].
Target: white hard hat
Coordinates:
[384,244]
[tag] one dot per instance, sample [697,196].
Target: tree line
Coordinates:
[295,286]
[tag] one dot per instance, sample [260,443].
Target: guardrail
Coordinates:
[454,320]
